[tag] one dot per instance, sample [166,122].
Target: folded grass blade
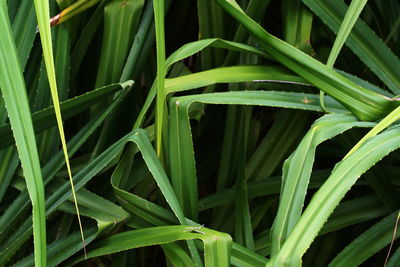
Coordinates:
[216,245]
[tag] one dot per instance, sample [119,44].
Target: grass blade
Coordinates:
[161,71]
[43,17]
[14,94]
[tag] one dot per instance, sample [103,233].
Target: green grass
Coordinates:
[199,133]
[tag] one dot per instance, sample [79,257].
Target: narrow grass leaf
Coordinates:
[217,245]
[10,217]
[161,71]
[15,97]
[43,17]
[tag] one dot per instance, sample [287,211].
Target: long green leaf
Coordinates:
[217,245]
[188,50]
[161,71]
[14,94]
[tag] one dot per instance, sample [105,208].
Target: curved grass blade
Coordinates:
[105,213]
[217,245]
[343,176]
[155,215]
[14,94]
[232,74]
[188,50]
[368,243]
[365,104]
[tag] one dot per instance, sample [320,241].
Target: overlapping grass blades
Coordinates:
[233,103]
[216,245]
[346,26]
[11,216]
[362,41]
[364,104]
[343,176]
[43,17]
[183,169]
[297,171]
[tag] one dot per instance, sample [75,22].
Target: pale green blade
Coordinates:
[43,18]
